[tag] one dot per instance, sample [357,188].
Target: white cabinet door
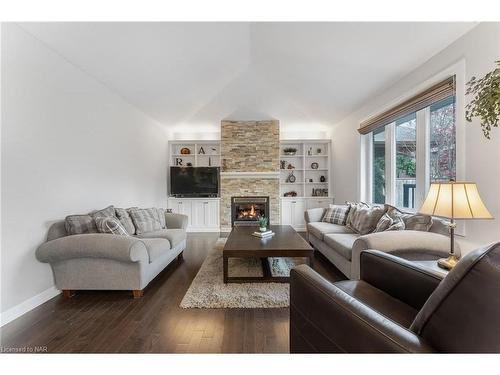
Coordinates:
[286,212]
[205,214]
[198,214]
[183,207]
[298,208]
[212,214]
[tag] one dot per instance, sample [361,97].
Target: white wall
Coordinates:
[69,145]
[477,50]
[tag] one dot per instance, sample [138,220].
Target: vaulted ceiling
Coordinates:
[200,73]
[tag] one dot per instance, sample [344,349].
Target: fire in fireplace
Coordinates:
[247,210]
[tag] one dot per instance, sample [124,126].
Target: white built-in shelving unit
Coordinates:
[201,153]
[203,213]
[309,165]
[307,178]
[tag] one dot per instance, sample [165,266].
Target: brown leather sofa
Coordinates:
[398,306]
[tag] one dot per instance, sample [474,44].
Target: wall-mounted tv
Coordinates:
[194,181]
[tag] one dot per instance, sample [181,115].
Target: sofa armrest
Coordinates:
[314,214]
[176,221]
[398,277]
[325,319]
[109,246]
[423,245]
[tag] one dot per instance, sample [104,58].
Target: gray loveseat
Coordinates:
[99,261]
[342,246]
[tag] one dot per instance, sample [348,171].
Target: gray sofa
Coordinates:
[98,261]
[342,246]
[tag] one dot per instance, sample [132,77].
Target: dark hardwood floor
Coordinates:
[114,322]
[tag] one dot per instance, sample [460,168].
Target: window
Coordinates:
[412,145]
[406,161]
[443,141]
[378,166]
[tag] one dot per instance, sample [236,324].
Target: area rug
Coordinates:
[209,291]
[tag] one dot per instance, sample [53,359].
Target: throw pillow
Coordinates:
[108,211]
[397,219]
[412,221]
[79,224]
[353,206]
[125,220]
[336,214]
[161,214]
[111,225]
[145,220]
[365,218]
[384,223]
[417,222]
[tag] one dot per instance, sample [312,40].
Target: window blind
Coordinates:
[427,97]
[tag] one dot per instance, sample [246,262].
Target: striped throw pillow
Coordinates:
[145,220]
[364,219]
[111,225]
[391,220]
[336,214]
[124,217]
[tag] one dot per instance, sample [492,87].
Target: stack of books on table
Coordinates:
[266,234]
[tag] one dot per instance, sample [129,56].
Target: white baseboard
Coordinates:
[28,305]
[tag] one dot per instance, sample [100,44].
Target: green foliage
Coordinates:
[379,179]
[406,164]
[485,103]
[263,221]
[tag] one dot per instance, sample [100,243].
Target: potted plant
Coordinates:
[289,150]
[485,102]
[263,223]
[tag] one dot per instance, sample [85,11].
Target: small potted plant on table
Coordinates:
[263,223]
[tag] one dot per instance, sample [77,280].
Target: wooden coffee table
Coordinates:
[285,243]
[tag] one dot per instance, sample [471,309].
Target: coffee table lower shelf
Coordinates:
[266,270]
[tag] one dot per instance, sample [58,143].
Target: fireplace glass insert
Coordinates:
[247,210]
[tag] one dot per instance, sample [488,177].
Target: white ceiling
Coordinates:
[200,73]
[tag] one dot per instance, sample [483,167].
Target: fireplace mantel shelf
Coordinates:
[267,175]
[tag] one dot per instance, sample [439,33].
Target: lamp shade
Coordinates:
[455,200]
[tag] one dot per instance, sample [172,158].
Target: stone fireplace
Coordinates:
[248,210]
[250,166]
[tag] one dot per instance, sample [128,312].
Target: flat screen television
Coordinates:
[194,181]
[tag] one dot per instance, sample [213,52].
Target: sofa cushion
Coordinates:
[174,236]
[319,229]
[364,219]
[156,247]
[336,214]
[125,219]
[341,243]
[110,225]
[145,220]
[80,224]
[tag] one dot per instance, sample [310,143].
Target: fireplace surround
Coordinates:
[248,210]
